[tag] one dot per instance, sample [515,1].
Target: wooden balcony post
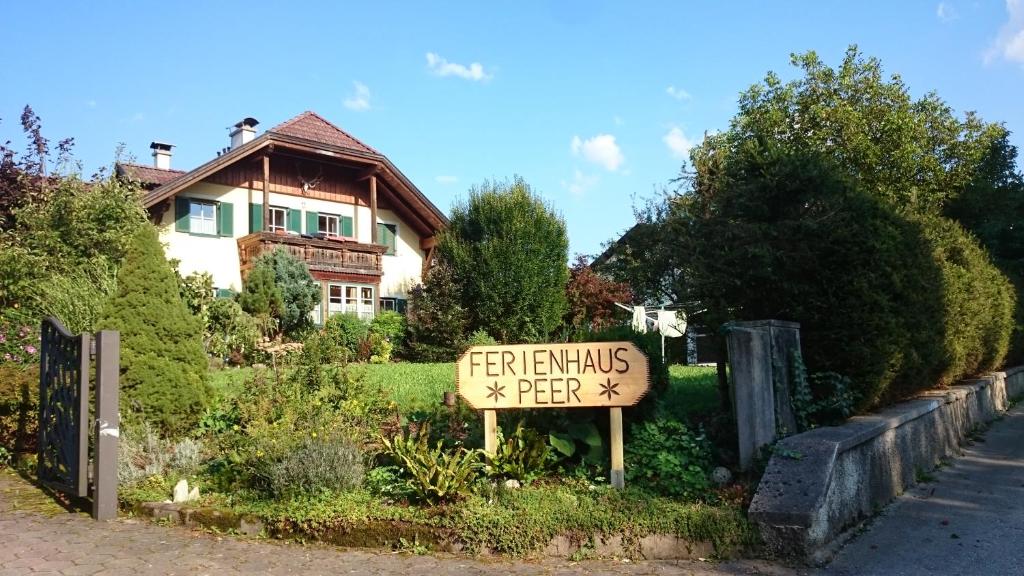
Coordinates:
[266,192]
[373,209]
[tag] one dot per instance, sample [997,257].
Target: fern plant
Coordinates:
[523,456]
[434,474]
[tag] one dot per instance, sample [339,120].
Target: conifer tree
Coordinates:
[163,367]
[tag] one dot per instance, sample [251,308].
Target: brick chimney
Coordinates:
[161,155]
[243,132]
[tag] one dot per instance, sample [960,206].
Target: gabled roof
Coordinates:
[147,175]
[308,131]
[310,126]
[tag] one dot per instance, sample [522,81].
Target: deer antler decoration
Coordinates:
[312,183]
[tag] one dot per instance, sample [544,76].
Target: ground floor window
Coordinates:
[393,305]
[277,219]
[350,299]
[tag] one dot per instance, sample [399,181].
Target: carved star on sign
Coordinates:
[608,389]
[495,391]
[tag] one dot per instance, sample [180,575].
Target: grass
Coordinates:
[411,386]
[692,391]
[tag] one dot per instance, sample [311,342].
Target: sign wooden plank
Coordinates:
[591,374]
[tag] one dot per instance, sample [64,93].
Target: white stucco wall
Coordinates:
[219,255]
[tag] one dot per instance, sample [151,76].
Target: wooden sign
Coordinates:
[592,374]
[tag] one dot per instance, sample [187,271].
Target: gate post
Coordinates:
[108,369]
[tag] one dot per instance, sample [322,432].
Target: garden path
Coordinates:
[968,520]
[36,538]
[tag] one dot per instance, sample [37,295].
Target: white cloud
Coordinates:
[600,149]
[678,144]
[946,12]
[444,179]
[441,67]
[1009,43]
[678,93]
[360,100]
[580,183]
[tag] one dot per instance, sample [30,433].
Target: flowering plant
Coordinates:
[19,342]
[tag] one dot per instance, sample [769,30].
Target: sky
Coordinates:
[593,103]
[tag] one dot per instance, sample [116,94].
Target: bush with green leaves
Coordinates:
[19,407]
[665,457]
[231,333]
[163,365]
[299,292]
[317,465]
[437,320]
[480,337]
[349,332]
[435,474]
[143,453]
[523,456]
[507,249]
[390,325]
[260,295]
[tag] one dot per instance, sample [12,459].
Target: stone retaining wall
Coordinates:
[821,483]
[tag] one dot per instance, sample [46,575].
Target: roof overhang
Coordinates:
[375,165]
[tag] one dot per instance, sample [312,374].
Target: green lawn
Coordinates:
[411,386]
[692,391]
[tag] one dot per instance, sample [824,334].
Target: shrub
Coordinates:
[665,457]
[507,249]
[434,474]
[143,453]
[231,333]
[261,295]
[318,465]
[390,325]
[163,367]
[299,292]
[480,338]
[523,456]
[592,298]
[348,331]
[19,408]
[437,320]
[19,339]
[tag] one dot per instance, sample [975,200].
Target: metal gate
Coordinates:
[63,458]
[65,422]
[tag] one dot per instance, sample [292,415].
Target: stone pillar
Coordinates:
[759,359]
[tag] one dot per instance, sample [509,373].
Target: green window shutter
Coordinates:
[293,219]
[346,226]
[182,206]
[255,217]
[312,222]
[386,236]
[226,219]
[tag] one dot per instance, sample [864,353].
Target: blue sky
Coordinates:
[593,103]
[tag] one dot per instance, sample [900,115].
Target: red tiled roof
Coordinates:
[147,174]
[310,126]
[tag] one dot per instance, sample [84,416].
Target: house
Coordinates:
[366,232]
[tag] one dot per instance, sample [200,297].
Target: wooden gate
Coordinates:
[65,421]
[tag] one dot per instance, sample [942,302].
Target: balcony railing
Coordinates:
[341,256]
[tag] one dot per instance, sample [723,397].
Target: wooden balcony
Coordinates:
[338,256]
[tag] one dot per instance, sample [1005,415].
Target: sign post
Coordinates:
[586,375]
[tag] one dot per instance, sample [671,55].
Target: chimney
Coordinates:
[161,155]
[243,132]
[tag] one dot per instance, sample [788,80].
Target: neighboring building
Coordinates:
[366,232]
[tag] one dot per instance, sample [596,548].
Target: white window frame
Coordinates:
[328,218]
[200,223]
[355,299]
[271,227]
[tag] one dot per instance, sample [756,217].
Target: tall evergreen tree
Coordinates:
[163,367]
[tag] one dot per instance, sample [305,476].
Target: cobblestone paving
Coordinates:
[38,540]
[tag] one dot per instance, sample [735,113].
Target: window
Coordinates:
[387,234]
[350,299]
[315,316]
[328,224]
[393,305]
[202,218]
[277,219]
